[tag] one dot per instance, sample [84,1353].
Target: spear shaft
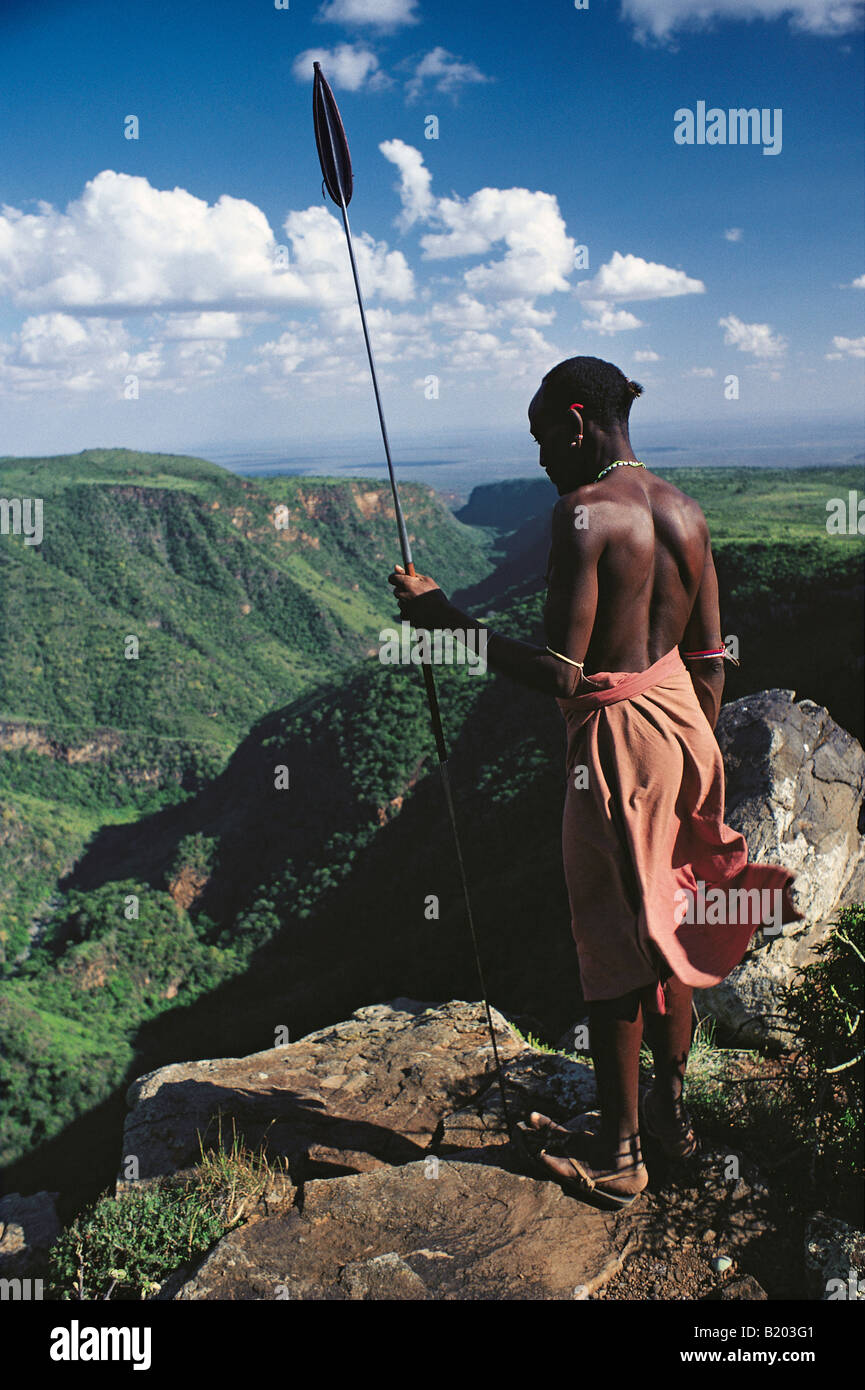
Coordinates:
[336,168]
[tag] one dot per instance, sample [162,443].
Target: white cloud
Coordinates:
[330,350]
[53,352]
[444,73]
[858,283]
[733,234]
[700,372]
[608,320]
[415,183]
[849,347]
[464,312]
[380,14]
[646,355]
[660,19]
[127,247]
[756,338]
[207,327]
[348,66]
[631,277]
[321,261]
[539,254]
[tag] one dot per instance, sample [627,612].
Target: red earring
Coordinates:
[577,443]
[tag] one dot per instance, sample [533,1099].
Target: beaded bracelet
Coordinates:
[721,651]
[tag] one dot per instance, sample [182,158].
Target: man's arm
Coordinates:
[575,561]
[703,633]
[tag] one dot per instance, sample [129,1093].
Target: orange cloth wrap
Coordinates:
[646,831]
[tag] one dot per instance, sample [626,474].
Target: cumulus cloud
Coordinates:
[329,352]
[733,233]
[608,320]
[56,351]
[206,327]
[126,247]
[442,72]
[321,265]
[348,66]
[660,20]
[755,338]
[706,372]
[464,312]
[849,347]
[631,277]
[378,14]
[539,254]
[646,355]
[415,181]
[858,283]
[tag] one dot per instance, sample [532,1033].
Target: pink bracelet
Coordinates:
[698,656]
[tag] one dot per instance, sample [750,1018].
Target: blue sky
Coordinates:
[191,284]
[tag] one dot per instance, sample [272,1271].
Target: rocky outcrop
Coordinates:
[403,1185]
[795,785]
[376,1090]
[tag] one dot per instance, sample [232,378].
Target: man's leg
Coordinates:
[615,1034]
[669,1037]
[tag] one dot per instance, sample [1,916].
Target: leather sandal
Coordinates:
[613,1190]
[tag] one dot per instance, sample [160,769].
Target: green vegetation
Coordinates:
[113,957]
[234,611]
[826,1007]
[125,1247]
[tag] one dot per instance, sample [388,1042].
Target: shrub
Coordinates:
[825,1007]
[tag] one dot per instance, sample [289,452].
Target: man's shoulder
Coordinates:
[672,500]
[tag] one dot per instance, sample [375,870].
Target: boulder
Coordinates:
[377,1089]
[29,1226]
[795,782]
[454,1232]
[834,1259]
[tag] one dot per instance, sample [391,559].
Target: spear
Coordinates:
[335,160]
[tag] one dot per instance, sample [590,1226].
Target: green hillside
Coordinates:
[236,607]
[233,613]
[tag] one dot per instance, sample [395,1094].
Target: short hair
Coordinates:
[605,392]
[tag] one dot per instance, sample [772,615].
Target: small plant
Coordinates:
[230,1181]
[825,1006]
[125,1247]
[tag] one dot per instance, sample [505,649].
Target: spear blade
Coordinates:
[331,142]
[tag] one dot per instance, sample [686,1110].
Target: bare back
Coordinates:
[630,573]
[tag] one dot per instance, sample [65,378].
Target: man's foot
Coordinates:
[548,1129]
[585,1166]
[668,1124]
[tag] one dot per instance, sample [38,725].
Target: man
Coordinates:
[630,578]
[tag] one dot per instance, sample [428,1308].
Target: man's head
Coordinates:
[601,393]
[605,392]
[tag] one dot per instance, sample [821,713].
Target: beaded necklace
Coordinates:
[620,463]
